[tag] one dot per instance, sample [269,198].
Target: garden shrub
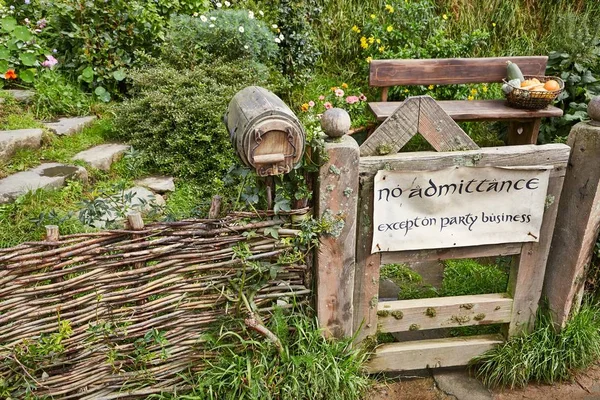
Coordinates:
[176,116]
[223,33]
[56,95]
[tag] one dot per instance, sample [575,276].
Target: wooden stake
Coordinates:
[215,207]
[52,233]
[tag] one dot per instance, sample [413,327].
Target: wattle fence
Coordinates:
[123,313]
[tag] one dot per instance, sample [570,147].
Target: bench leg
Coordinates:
[520,132]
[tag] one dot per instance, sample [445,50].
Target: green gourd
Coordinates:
[513,71]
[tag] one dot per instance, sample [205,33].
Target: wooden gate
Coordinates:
[341,266]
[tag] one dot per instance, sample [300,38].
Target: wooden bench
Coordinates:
[523,124]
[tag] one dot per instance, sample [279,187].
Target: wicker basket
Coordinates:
[521,98]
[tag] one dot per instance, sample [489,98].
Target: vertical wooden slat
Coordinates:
[523,132]
[136,223]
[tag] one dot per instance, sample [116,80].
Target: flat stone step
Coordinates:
[45,176]
[11,141]
[158,184]
[24,96]
[102,156]
[69,126]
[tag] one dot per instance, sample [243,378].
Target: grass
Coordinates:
[13,115]
[309,366]
[545,355]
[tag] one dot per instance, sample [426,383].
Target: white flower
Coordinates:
[241,29]
[274,26]
[203,18]
[227,4]
[219,5]
[277,40]
[213,18]
[246,47]
[262,14]
[250,15]
[195,14]
[281,36]
[211,26]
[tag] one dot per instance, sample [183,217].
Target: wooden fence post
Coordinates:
[578,220]
[336,201]
[135,222]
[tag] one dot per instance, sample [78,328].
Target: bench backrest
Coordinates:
[447,71]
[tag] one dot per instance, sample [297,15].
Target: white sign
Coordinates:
[457,207]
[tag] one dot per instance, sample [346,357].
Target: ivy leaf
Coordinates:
[272,231]
[27,75]
[87,75]
[28,59]
[8,24]
[102,94]
[22,34]
[119,75]
[250,234]
[588,77]
[282,205]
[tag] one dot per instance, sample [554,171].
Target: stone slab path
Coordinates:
[11,141]
[46,176]
[24,96]
[69,126]
[158,184]
[102,156]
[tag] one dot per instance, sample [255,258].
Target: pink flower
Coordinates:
[311,103]
[50,62]
[351,99]
[321,97]
[339,92]
[362,97]
[327,105]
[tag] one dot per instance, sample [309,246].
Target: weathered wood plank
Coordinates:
[395,132]
[444,312]
[434,353]
[446,71]
[337,201]
[524,132]
[577,224]
[476,110]
[439,129]
[366,278]
[510,156]
[491,250]
[528,269]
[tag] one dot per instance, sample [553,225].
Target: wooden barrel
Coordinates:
[265,133]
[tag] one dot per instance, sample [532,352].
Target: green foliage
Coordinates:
[178,122]
[56,96]
[309,366]
[410,283]
[544,355]
[223,33]
[13,115]
[463,277]
[20,49]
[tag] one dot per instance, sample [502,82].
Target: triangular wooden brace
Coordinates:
[422,115]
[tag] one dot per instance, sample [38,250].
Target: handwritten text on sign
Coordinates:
[457,207]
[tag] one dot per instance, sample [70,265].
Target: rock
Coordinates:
[10,141]
[134,199]
[24,96]
[102,156]
[335,122]
[69,126]
[594,110]
[45,176]
[158,184]
[459,384]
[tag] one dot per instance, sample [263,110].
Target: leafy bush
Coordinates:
[56,96]
[226,34]
[176,116]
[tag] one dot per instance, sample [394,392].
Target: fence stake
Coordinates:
[136,223]
[52,233]
[578,220]
[215,207]
[336,201]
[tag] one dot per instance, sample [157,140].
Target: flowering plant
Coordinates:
[349,99]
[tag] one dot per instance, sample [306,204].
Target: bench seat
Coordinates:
[476,110]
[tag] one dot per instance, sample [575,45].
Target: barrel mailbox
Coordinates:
[264,131]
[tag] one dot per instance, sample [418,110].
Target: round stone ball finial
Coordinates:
[594,110]
[335,122]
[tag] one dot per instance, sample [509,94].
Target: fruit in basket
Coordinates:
[513,71]
[529,83]
[552,85]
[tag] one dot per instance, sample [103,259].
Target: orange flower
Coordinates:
[10,74]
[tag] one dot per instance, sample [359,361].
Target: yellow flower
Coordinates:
[304,107]
[405,90]
[493,24]
[389,8]
[430,87]
[473,92]
[373,16]
[369,59]
[381,49]
[344,86]
[445,16]
[334,88]
[378,41]
[470,98]
[371,40]
[390,28]
[484,88]
[355,29]
[363,42]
